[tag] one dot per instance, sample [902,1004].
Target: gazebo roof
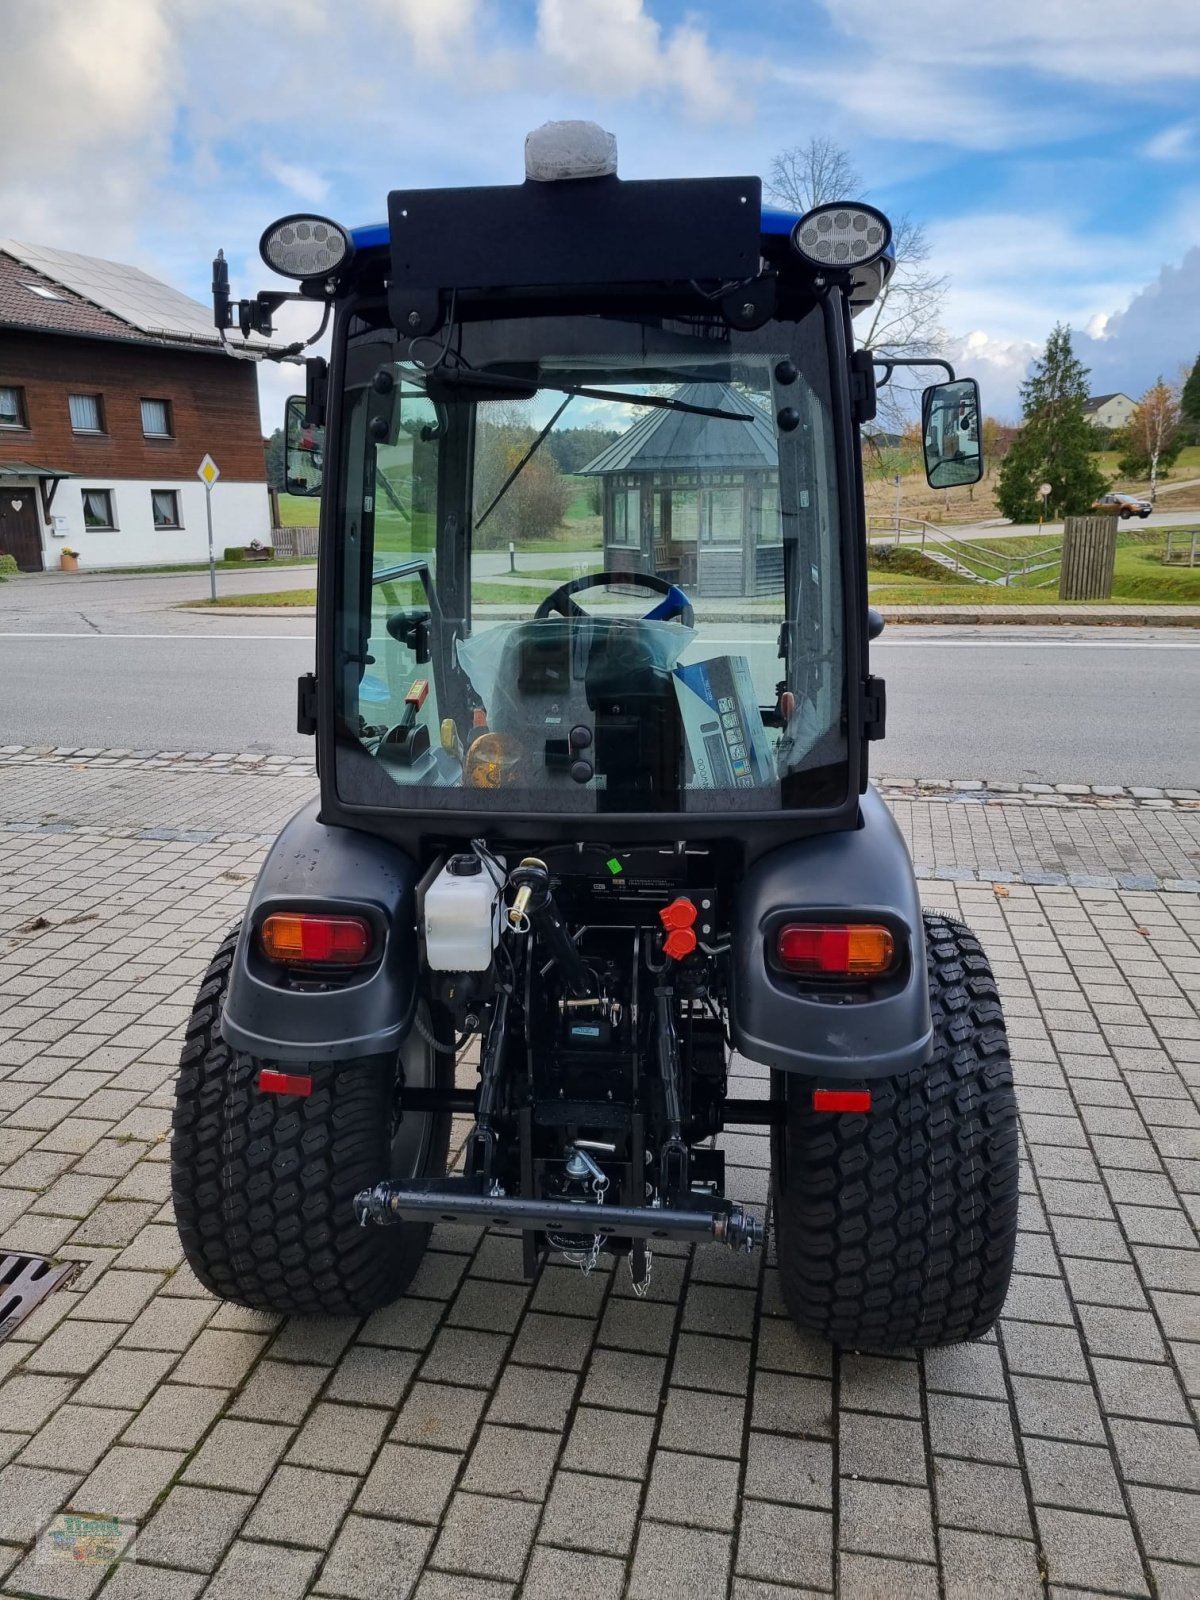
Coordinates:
[681,441]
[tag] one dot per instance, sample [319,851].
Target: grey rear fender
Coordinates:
[312,867]
[827,1031]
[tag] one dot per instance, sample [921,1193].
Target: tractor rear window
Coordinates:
[590,564]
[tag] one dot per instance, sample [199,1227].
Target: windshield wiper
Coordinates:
[662,402]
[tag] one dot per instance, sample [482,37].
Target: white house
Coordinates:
[113,388]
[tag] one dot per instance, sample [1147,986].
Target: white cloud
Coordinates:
[614,50]
[300,179]
[436,30]
[1103,42]
[1176,143]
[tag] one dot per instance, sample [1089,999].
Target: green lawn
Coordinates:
[299,511]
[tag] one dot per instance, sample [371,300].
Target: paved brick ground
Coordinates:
[486,1437]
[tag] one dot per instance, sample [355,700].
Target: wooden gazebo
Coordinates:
[695,498]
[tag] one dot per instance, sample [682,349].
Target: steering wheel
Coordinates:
[674,604]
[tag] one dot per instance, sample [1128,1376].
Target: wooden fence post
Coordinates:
[1089,555]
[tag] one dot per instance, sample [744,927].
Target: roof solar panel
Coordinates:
[126,292]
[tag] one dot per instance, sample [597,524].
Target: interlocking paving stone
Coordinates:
[484,1438]
[678,1564]
[1091,1551]
[375,1560]
[193,1528]
[488,1537]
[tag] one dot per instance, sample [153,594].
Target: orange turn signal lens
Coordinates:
[836,950]
[299,938]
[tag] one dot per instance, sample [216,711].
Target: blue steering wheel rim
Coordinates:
[673,604]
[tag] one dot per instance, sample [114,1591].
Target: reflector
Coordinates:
[842,235]
[302,937]
[272,1082]
[841,1100]
[305,247]
[836,950]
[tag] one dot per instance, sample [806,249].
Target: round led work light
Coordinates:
[842,235]
[305,247]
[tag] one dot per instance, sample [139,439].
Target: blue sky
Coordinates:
[1051,147]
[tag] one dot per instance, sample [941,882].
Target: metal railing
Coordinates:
[1183,547]
[970,559]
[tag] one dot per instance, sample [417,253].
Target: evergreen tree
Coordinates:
[1056,440]
[1189,402]
[274,453]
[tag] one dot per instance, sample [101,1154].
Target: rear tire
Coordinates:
[895,1229]
[1125,514]
[263,1184]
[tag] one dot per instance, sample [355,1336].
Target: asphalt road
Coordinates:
[1103,705]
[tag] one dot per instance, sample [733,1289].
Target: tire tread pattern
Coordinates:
[263,1183]
[896,1229]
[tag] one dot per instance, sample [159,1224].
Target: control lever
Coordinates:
[534,907]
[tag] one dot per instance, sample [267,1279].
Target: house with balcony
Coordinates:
[113,388]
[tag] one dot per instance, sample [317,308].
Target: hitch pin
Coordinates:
[518,912]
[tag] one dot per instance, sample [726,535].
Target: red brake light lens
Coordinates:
[300,939]
[836,950]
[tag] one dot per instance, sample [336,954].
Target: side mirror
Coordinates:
[304,449]
[951,435]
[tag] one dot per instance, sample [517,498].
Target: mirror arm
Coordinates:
[889,365]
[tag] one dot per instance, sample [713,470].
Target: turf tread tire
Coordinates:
[895,1229]
[263,1183]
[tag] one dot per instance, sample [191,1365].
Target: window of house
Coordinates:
[98,511]
[166,508]
[87,413]
[12,408]
[156,419]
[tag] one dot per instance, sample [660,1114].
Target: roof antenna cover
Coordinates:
[561,151]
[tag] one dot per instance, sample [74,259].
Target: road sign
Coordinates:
[1045,490]
[208,472]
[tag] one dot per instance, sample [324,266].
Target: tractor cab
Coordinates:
[591,501]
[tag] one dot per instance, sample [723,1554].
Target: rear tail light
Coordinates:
[298,938]
[836,950]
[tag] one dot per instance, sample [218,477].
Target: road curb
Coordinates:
[899,616]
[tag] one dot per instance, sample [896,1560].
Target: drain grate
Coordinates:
[25,1281]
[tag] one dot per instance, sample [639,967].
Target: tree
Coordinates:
[1189,401]
[275,465]
[1055,443]
[535,501]
[905,319]
[1152,437]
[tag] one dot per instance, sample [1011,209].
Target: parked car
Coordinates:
[1125,505]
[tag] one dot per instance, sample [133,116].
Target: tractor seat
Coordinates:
[594,692]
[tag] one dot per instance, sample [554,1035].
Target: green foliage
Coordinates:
[1135,462]
[573,448]
[275,462]
[1189,402]
[534,503]
[8,565]
[898,558]
[1056,440]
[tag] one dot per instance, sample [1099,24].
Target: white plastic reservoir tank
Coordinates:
[462,916]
